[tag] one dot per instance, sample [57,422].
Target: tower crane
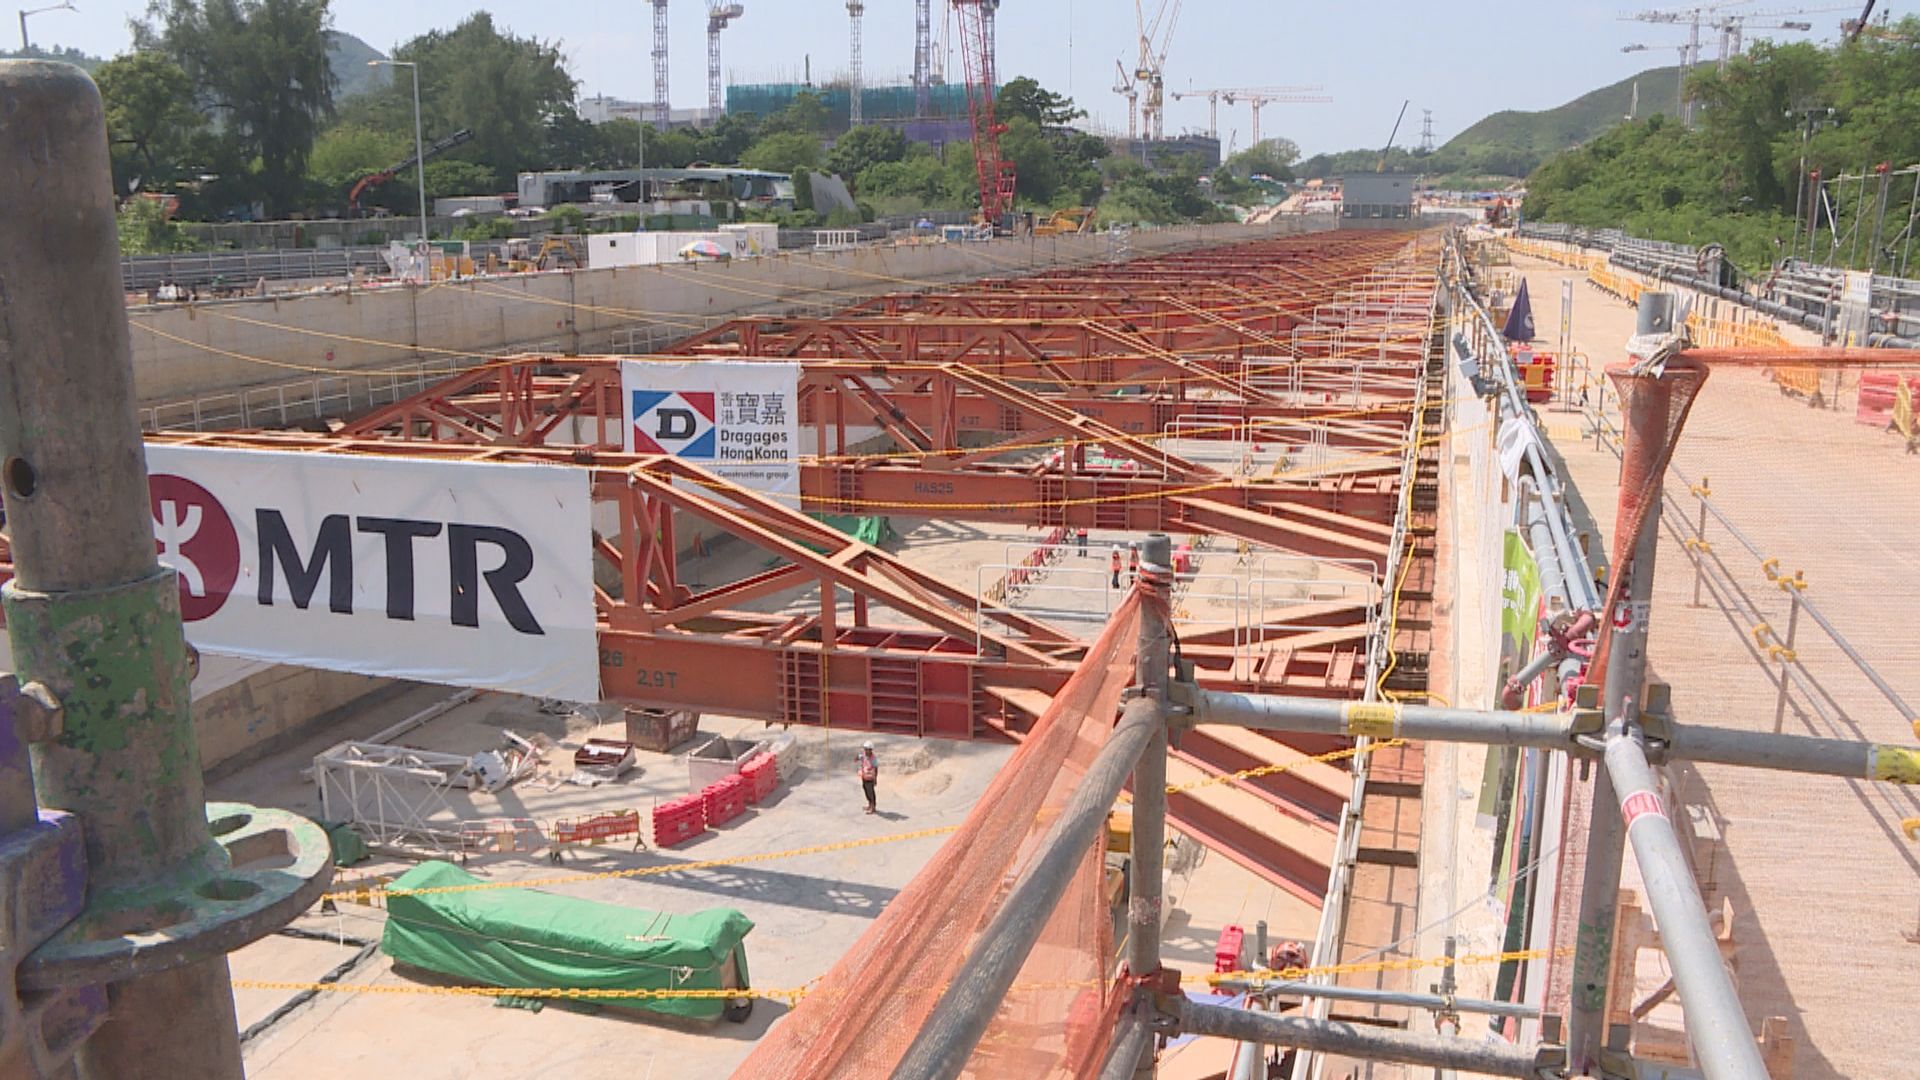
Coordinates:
[996,176]
[718,16]
[1156,37]
[855,9]
[1124,85]
[922,58]
[1731,25]
[660,114]
[1268,94]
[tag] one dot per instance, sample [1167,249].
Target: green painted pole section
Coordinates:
[91,613]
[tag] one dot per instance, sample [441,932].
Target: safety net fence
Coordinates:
[858,1019]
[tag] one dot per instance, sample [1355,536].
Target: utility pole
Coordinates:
[419,154]
[26,45]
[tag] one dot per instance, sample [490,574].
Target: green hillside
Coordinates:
[347,56]
[1550,131]
[1511,144]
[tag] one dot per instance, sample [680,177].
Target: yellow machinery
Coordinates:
[1075,219]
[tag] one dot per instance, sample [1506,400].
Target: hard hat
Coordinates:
[868,745]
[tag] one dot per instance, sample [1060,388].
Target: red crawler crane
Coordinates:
[976,52]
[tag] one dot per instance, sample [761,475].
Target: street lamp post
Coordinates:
[419,152]
[67,5]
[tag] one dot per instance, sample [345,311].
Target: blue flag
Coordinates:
[1520,320]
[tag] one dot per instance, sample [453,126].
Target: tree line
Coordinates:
[1764,125]
[235,109]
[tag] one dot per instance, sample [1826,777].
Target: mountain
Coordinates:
[1513,143]
[347,56]
[1550,131]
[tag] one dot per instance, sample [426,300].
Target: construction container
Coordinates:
[717,759]
[660,730]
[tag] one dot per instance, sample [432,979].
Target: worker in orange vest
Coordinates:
[1113,563]
[1133,563]
[869,774]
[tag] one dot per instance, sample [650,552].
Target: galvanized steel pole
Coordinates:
[91,614]
[1645,412]
[941,1050]
[1371,996]
[1384,720]
[1354,1040]
[1716,1023]
[1149,834]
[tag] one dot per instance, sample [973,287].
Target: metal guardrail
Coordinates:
[1711,570]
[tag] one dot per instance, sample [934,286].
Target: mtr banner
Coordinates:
[737,418]
[464,573]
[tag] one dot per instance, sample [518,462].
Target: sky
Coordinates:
[1461,60]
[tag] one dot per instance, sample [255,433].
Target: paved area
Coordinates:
[807,909]
[1823,886]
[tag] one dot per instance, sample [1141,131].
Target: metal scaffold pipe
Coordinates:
[1646,400]
[88,590]
[1149,833]
[1354,1040]
[1716,1023]
[1384,720]
[1371,996]
[94,619]
[941,1050]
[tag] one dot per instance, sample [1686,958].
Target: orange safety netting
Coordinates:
[859,1018]
[1665,399]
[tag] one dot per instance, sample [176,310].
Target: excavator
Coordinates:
[433,150]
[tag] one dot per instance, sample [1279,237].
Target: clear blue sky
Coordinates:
[1462,60]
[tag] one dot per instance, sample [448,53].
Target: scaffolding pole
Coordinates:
[1556,731]
[1359,1041]
[1717,1026]
[941,1050]
[1371,996]
[1149,833]
[94,619]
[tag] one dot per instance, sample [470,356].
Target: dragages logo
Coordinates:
[193,534]
[679,423]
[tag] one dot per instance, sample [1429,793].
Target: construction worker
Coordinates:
[1113,563]
[1080,540]
[1133,563]
[869,774]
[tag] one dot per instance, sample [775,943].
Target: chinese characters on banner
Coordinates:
[739,419]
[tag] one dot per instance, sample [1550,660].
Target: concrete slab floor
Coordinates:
[807,910]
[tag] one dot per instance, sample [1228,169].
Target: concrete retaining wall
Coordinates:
[211,349]
[184,352]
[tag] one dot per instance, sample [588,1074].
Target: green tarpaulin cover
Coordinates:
[523,937]
[867,530]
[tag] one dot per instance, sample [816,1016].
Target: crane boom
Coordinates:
[1382,167]
[995,175]
[434,149]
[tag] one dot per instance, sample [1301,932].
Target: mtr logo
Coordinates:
[194,534]
[679,423]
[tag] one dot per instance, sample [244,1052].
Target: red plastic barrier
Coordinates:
[762,774]
[1226,955]
[725,800]
[680,819]
[1877,394]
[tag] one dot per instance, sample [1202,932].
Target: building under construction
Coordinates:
[943,120]
[1239,651]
